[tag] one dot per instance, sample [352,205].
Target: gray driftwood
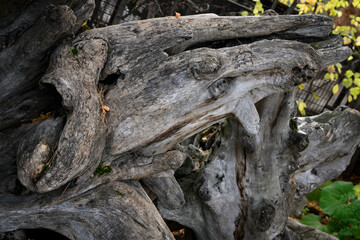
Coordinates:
[140,97]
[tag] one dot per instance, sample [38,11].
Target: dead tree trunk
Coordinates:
[214,95]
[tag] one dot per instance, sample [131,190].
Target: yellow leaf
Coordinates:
[355,92]
[244,13]
[357,191]
[335,89]
[357,82]
[331,69]
[301,107]
[350,58]
[349,98]
[332,76]
[347,82]
[301,86]
[327,76]
[84,24]
[338,66]
[316,96]
[105,108]
[349,73]
[347,40]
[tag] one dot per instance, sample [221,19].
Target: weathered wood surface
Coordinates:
[306,232]
[101,209]
[239,185]
[247,186]
[222,82]
[29,39]
[332,146]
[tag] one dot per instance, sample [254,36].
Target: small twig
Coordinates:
[240,5]
[275,3]
[65,188]
[291,8]
[53,153]
[161,12]
[196,7]
[173,7]
[316,5]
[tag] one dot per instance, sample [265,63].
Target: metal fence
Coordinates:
[323,99]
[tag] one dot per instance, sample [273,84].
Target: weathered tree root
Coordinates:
[130,92]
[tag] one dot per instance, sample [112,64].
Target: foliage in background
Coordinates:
[258,8]
[346,15]
[340,210]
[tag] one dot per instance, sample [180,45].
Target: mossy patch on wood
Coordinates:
[102,170]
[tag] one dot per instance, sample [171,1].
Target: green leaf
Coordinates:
[305,210]
[314,221]
[345,232]
[335,196]
[328,183]
[356,231]
[314,195]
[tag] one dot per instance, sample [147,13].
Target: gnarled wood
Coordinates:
[38,30]
[112,210]
[223,82]
[332,144]
[131,92]
[83,138]
[246,187]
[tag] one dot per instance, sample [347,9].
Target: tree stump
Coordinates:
[196,112]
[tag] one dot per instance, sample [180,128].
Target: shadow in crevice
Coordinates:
[32,234]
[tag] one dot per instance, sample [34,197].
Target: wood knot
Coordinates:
[305,74]
[204,193]
[219,88]
[270,12]
[266,216]
[204,67]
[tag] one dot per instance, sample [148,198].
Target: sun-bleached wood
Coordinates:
[133,95]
